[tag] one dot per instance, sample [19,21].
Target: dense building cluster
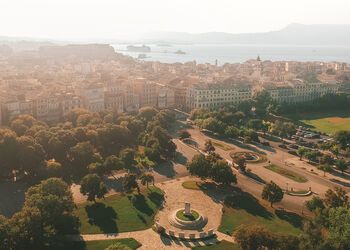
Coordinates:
[50,81]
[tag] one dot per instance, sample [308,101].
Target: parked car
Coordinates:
[282,146]
[265,143]
[293,146]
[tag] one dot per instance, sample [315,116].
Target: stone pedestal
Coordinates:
[187,208]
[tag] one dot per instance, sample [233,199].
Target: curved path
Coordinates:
[152,240]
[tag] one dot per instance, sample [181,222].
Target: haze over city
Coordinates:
[108,19]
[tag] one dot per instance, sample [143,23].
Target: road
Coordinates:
[316,181]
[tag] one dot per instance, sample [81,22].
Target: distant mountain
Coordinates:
[293,34]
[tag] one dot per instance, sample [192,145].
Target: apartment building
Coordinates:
[93,97]
[298,91]
[68,102]
[114,101]
[47,107]
[146,91]
[213,95]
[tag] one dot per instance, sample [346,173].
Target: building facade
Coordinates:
[213,95]
[300,92]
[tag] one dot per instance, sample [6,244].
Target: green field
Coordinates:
[101,244]
[324,122]
[194,185]
[286,173]
[120,213]
[329,125]
[244,209]
[222,245]
[223,146]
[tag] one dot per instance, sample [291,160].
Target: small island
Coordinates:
[142,48]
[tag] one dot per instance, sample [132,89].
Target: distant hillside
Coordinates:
[293,34]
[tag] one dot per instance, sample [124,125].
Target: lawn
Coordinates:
[101,244]
[120,213]
[325,122]
[223,146]
[286,173]
[222,245]
[244,209]
[194,185]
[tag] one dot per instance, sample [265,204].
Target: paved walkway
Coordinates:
[206,204]
[175,198]
[151,240]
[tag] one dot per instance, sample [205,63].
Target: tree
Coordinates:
[311,155]
[313,237]
[166,146]
[146,179]
[81,155]
[118,246]
[231,132]
[130,182]
[241,162]
[97,168]
[254,237]
[54,168]
[31,155]
[184,134]
[261,102]
[338,224]
[314,204]
[222,173]
[301,152]
[208,146]
[342,138]
[336,198]
[54,200]
[127,156]
[335,150]
[111,163]
[199,166]
[326,159]
[147,113]
[272,193]
[93,187]
[341,165]
[5,229]
[325,168]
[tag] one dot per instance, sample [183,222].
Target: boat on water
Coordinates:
[141,56]
[180,52]
[135,48]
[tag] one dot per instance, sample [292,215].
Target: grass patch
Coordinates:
[182,216]
[223,146]
[101,244]
[326,122]
[120,213]
[286,173]
[194,185]
[222,245]
[243,209]
[329,125]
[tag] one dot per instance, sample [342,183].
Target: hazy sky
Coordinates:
[81,19]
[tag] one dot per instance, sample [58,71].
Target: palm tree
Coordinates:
[146,179]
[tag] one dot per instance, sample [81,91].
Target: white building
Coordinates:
[213,95]
[300,92]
